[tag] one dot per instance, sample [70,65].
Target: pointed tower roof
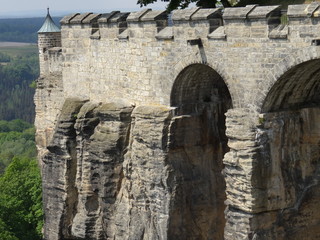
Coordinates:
[48,25]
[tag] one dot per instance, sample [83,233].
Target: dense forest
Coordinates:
[21,215]
[21,29]
[17,75]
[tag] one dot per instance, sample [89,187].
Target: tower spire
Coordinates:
[49,25]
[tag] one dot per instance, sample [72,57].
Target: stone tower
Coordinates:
[49,36]
[48,96]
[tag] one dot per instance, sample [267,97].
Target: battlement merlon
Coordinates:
[304,11]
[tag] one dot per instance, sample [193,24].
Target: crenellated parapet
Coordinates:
[252,21]
[144,24]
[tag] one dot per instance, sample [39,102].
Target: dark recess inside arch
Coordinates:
[198,84]
[197,146]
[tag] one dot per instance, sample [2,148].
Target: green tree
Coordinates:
[5,234]
[21,215]
[174,4]
[16,140]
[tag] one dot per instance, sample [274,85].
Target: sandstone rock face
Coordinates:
[284,175]
[59,165]
[145,196]
[289,175]
[115,171]
[195,153]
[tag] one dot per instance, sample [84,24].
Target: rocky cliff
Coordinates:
[115,171]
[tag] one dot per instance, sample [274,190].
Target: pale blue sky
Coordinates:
[14,7]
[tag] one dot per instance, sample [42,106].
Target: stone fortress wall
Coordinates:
[206,127]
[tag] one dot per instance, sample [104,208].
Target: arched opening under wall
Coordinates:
[299,87]
[291,153]
[197,144]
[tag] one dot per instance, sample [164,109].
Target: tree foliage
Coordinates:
[174,4]
[5,233]
[21,215]
[16,140]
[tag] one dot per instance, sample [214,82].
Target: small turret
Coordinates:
[49,36]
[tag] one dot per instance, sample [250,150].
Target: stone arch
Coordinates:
[290,153]
[282,67]
[196,149]
[197,84]
[218,67]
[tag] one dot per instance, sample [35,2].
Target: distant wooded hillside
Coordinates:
[21,29]
[19,67]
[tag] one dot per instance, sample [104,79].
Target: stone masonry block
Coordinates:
[91,18]
[166,33]
[119,17]
[104,18]
[68,18]
[184,14]
[302,10]
[202,14]
[79,18]
[280,32]
[238,12]
[264,12]
[219,33]
[136,16]
[154,15]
